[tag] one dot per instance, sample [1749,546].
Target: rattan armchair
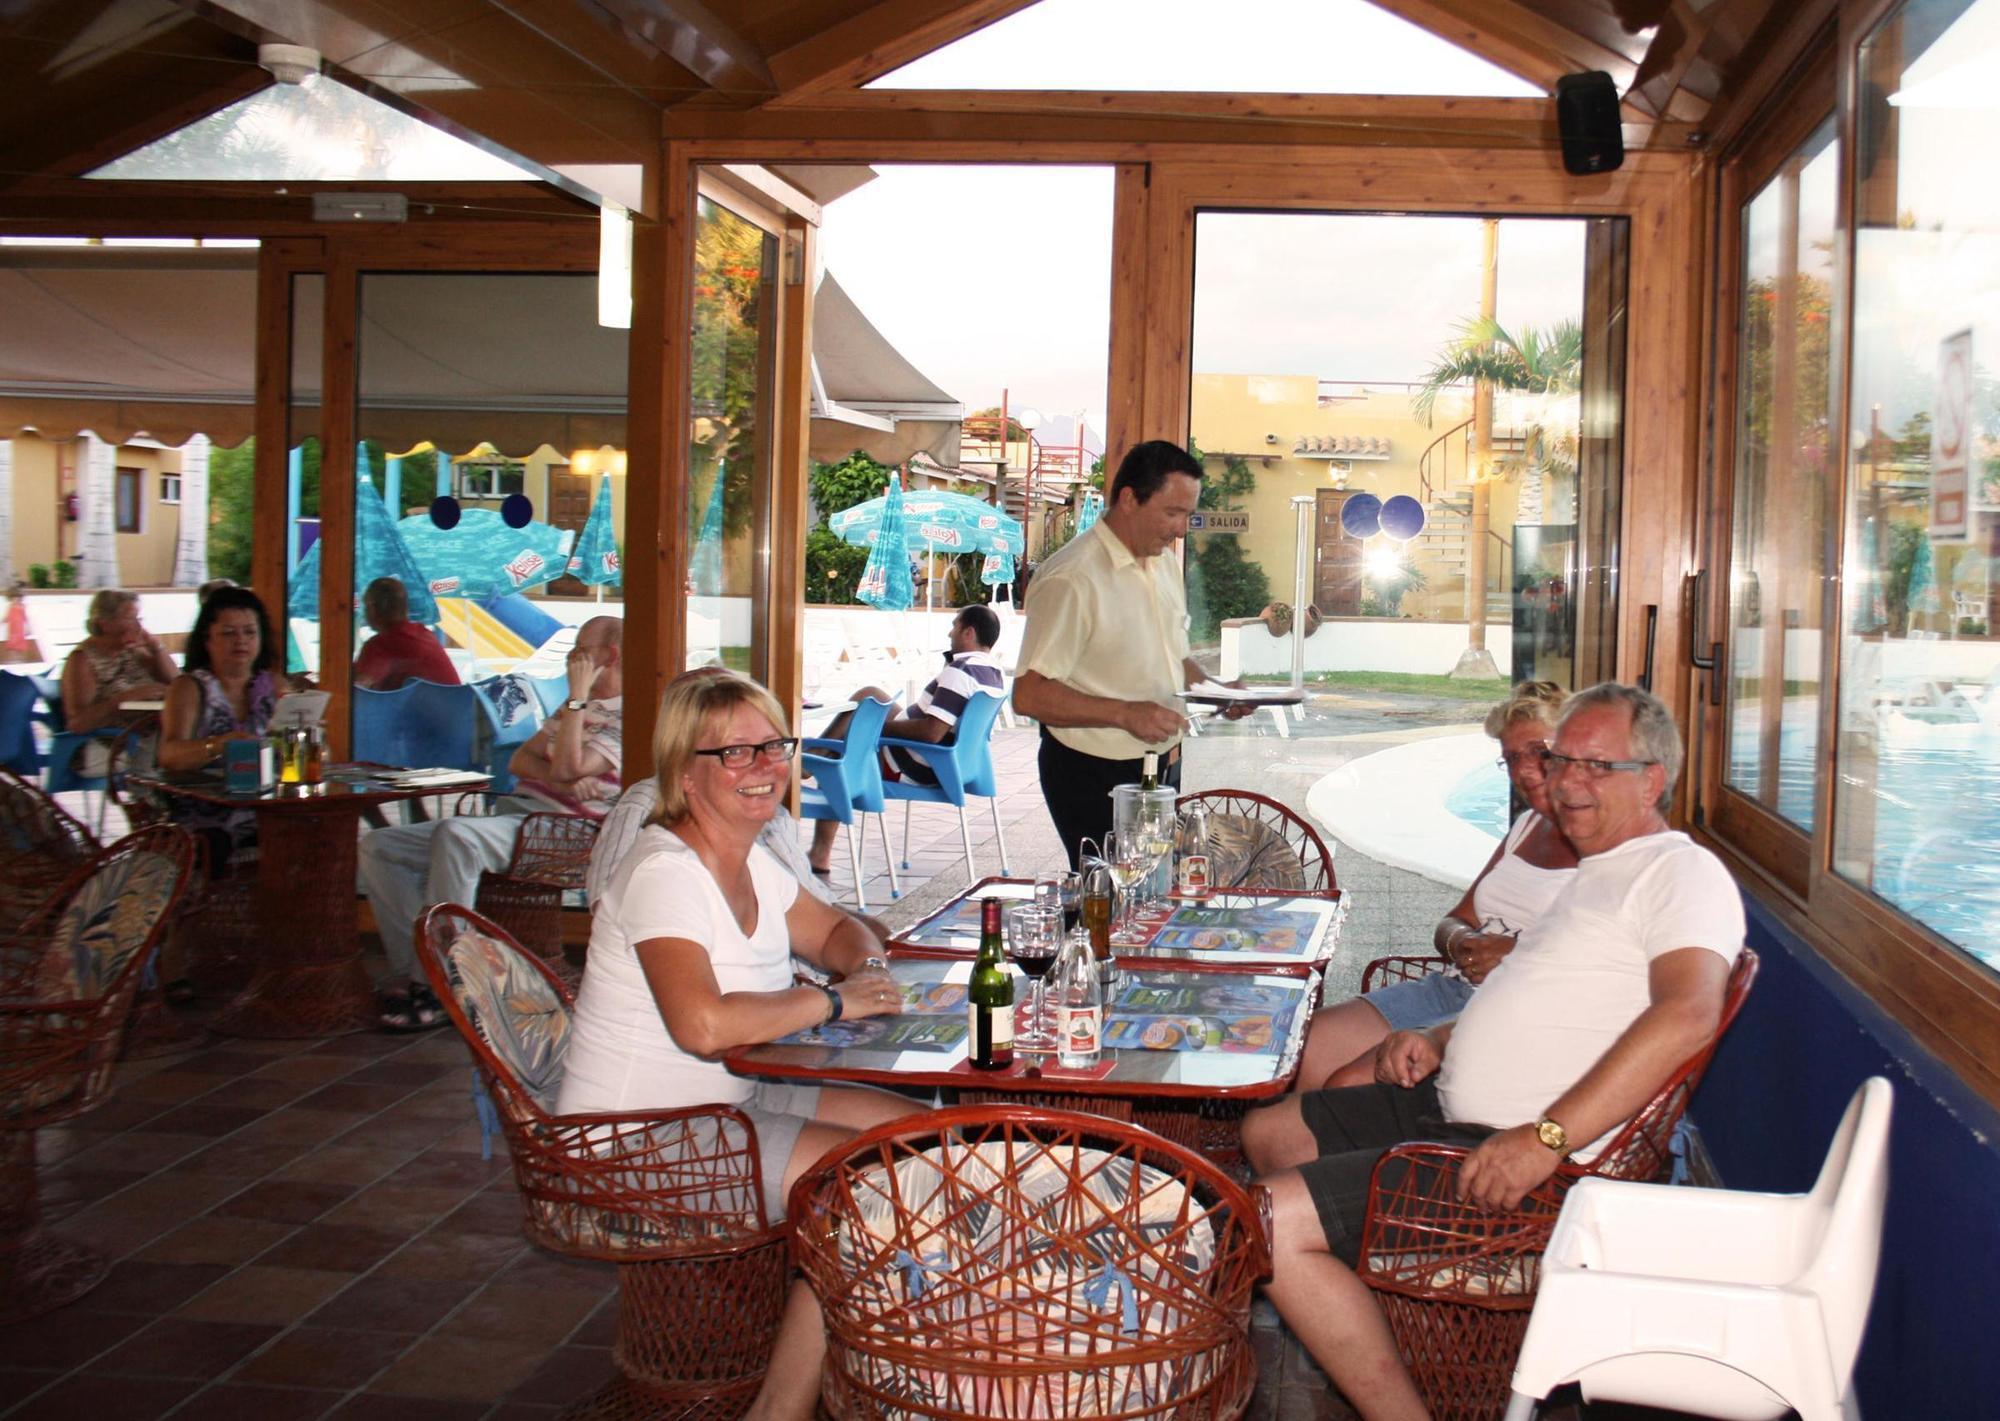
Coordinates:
[672,1197]
[42,845]
[1457,1281]
[551,856]
[1388,971]
[1009,1261]
[1256,842]
[62,1011]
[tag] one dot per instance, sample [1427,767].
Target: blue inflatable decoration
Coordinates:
[1361,515]
[1402,518]
[444,511]
[516,511]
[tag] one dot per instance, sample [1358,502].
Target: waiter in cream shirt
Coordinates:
[1106,649]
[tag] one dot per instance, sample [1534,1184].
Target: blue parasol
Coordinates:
[1087,516]
[594,559]
[482,557]
[885,581]
[942,522]
[998,568]
[705,560]
[1923,593]
[380,550]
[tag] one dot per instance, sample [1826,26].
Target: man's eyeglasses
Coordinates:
[1535,754]
[1553,763]
[737,756]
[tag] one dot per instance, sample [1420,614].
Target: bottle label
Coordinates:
[1001,1020]
[1082,1030]
[1193,872]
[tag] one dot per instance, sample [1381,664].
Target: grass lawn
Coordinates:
[1402,683]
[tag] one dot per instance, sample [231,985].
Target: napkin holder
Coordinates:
[247,766]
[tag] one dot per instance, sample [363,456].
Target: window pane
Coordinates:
[1918,774]
[729,438]
[1777,553]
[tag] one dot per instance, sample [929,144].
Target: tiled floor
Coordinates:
[307,1229]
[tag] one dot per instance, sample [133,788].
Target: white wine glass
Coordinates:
[1125,854]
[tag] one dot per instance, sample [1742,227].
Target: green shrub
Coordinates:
[1222,584]
[38,574]
[63,573]
[833,567]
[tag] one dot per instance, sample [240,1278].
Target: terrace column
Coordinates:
[6,513]
[97,550]
[191,544]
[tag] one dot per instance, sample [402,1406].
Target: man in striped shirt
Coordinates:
[969,670]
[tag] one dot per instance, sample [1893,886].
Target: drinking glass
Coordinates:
[1034,935]
[1125,852]
[1156,828]
[1069,894]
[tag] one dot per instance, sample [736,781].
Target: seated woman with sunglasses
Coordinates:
[691,945]
[1531,865]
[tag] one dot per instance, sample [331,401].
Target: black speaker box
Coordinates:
[1587,119]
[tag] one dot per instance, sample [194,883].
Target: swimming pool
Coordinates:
[1937,828]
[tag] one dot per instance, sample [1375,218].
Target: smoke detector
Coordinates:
[289,63]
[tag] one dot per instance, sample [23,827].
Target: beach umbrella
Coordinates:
[885,581]
[483,556]
[1871,612]
[1087,516]
[942,522]
[705,560]
[998,568]
[380,550]
[594,559]
[1923,594]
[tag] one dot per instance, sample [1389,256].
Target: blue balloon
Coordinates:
[516,511]
[1361,515]
[1402,518]
[444,511]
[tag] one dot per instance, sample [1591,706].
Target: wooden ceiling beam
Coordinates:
[1514,37]
[695,37]
[149,108]
[881,38]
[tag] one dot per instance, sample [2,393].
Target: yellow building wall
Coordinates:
[146,558]
[1262,418]
[37,514]
[42,535]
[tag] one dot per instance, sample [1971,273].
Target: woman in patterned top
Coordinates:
[119,661]
[227,693]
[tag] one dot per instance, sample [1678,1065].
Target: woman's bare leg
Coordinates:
[1336,1037]
[791,1383]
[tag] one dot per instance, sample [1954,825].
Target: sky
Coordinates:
[999,278]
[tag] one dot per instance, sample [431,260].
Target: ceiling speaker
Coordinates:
[1587,119]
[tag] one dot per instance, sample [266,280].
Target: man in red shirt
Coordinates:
[400,650]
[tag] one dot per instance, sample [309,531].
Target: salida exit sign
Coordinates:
[1214,520]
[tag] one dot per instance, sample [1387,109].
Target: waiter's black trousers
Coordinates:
[1077,788]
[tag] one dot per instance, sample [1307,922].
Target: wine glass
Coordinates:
[1157,827]
[1034,933]
[1069,895]
[1125,852]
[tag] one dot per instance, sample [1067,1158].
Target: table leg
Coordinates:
[307,978]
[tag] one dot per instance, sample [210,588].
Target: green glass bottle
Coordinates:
[989,997]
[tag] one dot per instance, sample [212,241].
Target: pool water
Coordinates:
[1936,839]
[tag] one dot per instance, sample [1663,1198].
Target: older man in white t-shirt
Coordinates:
[1570,1035]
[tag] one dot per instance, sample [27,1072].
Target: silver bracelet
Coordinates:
[1444,939]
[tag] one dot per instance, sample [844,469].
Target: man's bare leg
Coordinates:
[1332,1312]
[1275,1137]
[1337,1035]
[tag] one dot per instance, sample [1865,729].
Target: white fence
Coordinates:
[1360,644]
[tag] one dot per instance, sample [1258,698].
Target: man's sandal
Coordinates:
[412,1011]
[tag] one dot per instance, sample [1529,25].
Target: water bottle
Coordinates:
[1191,853]
[1079,1005]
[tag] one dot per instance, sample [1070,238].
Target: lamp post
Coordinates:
[1030,419]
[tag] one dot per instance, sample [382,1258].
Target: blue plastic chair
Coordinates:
[502,738]
[420,724]
[551,690]
[963,768]
[20,710]
[847,780]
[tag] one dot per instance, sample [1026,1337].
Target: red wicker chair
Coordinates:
[62,1012]
[1388,971]
[997,1261]
[1256,842]
[672,1197]
[1458,1282]
[42,845]
[551,855]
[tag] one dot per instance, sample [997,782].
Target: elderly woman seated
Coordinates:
[118,661]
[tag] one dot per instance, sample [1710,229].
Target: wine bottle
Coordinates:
[989,997]
[1149,773]
[1079,1006]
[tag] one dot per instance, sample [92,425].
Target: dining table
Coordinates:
[307,978]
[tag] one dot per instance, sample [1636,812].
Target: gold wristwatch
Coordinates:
[1553,1135]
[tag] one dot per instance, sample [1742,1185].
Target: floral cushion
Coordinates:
[515,1011]
[104,923]
[1248,853]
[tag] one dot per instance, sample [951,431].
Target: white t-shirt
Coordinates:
[621,1055]
[1518,892]
[1578,976]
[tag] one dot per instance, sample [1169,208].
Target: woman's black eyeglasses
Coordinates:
[737,756]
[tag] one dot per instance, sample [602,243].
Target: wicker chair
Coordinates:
[1457,1281]
[1255,842]
[42,845]
[1388,971]
[1008,1261]
[672,1196]
[551,856]
[62,1012]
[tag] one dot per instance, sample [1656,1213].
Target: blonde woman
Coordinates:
[118,661]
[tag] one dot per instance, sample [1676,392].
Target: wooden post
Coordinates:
[339,380]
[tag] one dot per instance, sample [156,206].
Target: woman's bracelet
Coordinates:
[834,1005]
[1447,934]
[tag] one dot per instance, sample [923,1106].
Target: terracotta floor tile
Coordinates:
[295,1130]
[411,1305]
[600,1329]
[179,1347]
[383,1134]
[221,1061]
[61,1340]
[170,1192]
[228,1401]
[198,1117]
[257,1092]
[61,1143]
[216,1239]
[523,1411]
[535,1315]
[331,1357]
[346,1095]
[538,1267]
[364,1045]
[485,1213]
[567,1374]
[459,1369]
[233,1158]
[105,1398]
[122,1113]
[451,1169]
[286,1201]
[306,1070]
[258,1293]
[398,1072]
[76,1188]
[409,1208]
[141,1149]
[356,1164]
[450,1257]
[372,1406]
[147,1287]
[335,1247]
